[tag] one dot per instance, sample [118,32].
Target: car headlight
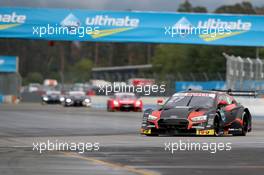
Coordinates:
[62,99]
[199,118]
[68,100]
[152,117]
[138,103]
[116,103]
[45,98]
[87,100]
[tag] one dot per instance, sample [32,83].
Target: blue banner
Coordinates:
[153,27]
[199,85]
[8,64]
[248,85]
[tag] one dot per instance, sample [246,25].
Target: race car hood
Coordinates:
[182,113]
[53,96]
[127,101]
[77,97]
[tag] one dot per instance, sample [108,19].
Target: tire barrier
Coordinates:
[9,99]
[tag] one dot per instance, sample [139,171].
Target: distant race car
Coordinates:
[76,98]
[51,97]
[124,102]
[200,113]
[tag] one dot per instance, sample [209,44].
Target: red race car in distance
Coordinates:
[124,102]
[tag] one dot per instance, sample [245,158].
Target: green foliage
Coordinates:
[54,75]
[82,70]
[186,6]
[261,53]
[240,8]
[33,77]
[173,59]
[199,9]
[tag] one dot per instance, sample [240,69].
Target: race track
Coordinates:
[122,149]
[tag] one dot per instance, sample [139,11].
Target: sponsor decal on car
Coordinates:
[147,131]
[205,132]
[194,94]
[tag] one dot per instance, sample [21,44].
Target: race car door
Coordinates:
[232,108]
[227,112]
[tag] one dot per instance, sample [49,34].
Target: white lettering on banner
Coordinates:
[2,62]
[12,18]
[71,21]
[218,23]
[101,20]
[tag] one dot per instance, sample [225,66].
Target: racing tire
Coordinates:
[137,110]
[109,109]
[244,126]
[218,126]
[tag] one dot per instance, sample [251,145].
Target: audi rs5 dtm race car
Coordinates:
[199,113]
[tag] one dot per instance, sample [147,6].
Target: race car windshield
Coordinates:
[189,101]
[76,93]
[53,93]
[126,96]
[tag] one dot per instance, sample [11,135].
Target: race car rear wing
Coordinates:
[238,93]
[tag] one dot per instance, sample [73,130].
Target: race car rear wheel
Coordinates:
[244,128]
[218,126]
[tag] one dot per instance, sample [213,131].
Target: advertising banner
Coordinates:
[152,27]
[199,85]
[8,64]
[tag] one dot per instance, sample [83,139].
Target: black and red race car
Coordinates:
[124,102]
[199,113]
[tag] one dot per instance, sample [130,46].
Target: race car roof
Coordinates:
[76,93]
[197,93]
[124,93]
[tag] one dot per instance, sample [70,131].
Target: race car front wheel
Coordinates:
[245,125]
[218,126]
[109,109]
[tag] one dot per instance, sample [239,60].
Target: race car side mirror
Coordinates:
[222,103]
[160,101]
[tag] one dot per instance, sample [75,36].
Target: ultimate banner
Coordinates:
[150,27]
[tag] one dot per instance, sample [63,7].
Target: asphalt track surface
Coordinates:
[122,149]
